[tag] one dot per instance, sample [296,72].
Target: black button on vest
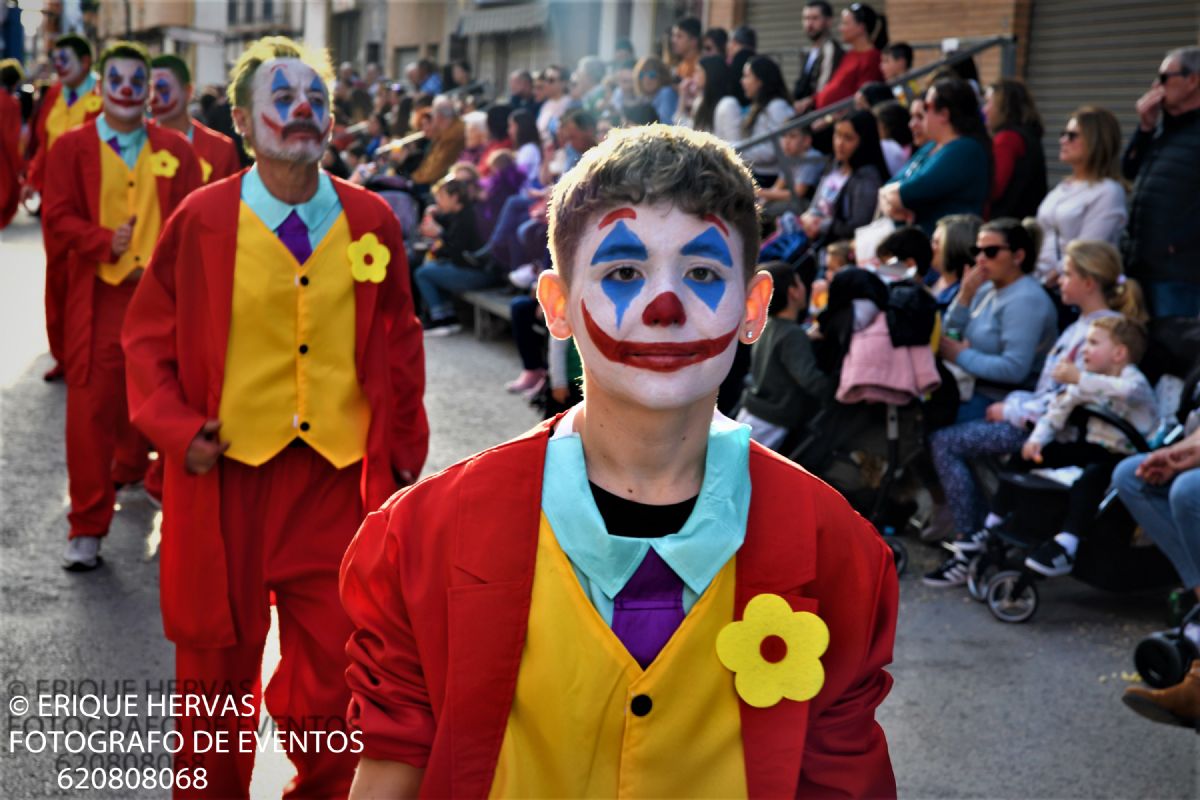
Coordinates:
[641,705]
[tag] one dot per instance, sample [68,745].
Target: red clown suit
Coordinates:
[217,153]
[278,510]
[82,172]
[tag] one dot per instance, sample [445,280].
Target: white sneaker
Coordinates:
[82,554]
[523,277]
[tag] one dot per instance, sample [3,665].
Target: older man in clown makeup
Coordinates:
[633,599]
[110,186]
[67,104]
[170,95]
[276,362]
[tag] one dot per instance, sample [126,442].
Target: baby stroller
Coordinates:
[876,341]
[1111,556]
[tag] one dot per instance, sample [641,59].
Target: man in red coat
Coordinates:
[12,164]
[276,363]
[170,96]
[65,105]
[111,184]
[633,599]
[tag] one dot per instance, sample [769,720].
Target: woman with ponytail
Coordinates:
[864,35]
[1093,282]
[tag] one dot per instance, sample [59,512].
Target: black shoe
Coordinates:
[442,327]
[478,258]
[971,544]
[1051,560]
[952,572]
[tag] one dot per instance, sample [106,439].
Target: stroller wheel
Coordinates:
[1163,658]
[980,570]
[899,555]
[1011,596]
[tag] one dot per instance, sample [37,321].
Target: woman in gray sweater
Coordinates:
[1002,323]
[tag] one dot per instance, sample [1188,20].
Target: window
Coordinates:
[268,10]
[231,17]
[249,13]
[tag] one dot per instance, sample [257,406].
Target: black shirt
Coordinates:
[633,520]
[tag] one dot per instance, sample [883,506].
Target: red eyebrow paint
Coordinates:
[715,220]
[613,216]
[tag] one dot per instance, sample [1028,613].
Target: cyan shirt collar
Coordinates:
[130,143]
[712,534]
[318,213]
[89,83]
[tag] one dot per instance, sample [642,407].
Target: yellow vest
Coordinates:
[572,730]
[123,194]
[62,117]
[290,367]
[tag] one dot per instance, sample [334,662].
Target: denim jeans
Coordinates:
[1170,514]
[504,244]
[435,278]
[1174,298]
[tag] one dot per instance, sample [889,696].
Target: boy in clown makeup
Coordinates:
[276,362]
[110,186]
[170,95]
[632,599]
[67,104]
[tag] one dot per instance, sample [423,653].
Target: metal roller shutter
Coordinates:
[1100,52]
[780,29]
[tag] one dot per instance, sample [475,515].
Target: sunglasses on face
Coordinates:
[1070,136]
[991,251]
[650,73]
[1163,77]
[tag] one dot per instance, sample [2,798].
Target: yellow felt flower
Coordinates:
[368,259]
[163,164]
[91,103]
[774,652]
[205,170]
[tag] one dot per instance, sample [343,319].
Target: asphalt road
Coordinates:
[979,709]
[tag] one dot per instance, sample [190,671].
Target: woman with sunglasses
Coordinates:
[1094,283]
[1002,323]
[955,175]
[1090,202]
[652,79]
[770,108]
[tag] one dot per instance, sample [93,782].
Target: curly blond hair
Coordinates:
[695,172]
[241,77]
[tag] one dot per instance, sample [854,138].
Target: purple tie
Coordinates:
[649,609]
[294,235]
[115,144]
[72,96]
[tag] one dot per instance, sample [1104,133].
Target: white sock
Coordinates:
[1192,631]
[1069,542]
[992,520]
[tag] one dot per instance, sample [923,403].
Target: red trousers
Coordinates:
[56,294]
[102,445]
[286,526]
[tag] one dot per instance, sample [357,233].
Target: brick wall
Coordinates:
[933,20]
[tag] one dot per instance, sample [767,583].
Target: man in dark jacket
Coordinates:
[1163,245]
[819,62]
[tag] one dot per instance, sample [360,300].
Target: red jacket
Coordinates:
[11,162]
[175,338]
[857,67]
[217,149]
[438,583]
[71,214]
[37,138]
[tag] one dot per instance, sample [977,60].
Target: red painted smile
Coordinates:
[655,356]
[120,101]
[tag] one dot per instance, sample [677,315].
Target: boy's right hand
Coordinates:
[206,449]
[995,412]
[123,237]
[1032,451]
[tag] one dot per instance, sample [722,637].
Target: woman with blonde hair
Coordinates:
[1099,263]
[1090,203]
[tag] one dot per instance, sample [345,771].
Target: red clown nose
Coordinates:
[303,111]
[666,309]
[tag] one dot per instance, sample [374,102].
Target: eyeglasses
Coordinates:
[991,251]
[1070,136]
[650,73]
[1163,77]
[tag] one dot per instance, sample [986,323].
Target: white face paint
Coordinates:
[291,115]
[166,94]
[126,86]
[68,66]
[656,301]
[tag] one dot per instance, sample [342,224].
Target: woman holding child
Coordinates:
[1093,282]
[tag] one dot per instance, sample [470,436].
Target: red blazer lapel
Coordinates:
[90,173]
[777,559]
[363,217]
[222,204]
[488,606]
